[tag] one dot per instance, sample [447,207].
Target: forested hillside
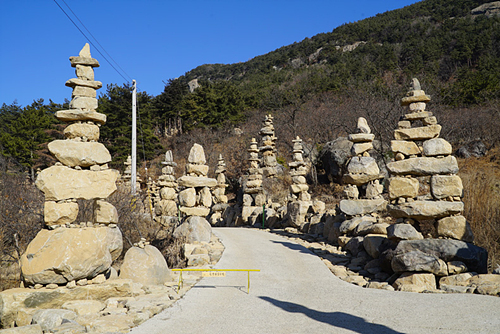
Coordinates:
[359,68]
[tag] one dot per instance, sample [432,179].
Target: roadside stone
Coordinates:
[415,282]
[28,329]
[82,307]
[456,280]
[354,245]
[403,232]
[456,288]
[146,266]
[362,206]
[371,244]
[426,209]
[194,229]
[456,267]
[416,261]
[49,319]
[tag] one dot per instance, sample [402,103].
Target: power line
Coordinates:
[91,41]
[102,47]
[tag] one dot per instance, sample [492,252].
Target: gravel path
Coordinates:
[296,293]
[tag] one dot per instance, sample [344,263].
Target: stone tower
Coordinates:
[67,250]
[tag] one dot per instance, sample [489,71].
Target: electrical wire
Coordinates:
[88,39]
[95,39]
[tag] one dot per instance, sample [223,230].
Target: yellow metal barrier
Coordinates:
[217,273]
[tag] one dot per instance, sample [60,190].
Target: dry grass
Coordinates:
[481,180]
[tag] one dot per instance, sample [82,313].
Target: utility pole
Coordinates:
[133,180]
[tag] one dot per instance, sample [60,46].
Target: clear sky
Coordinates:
[153,40]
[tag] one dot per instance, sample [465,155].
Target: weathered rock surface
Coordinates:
[412,282]
[187,197]
[60,213]
[404,147]
[371,244]
[476,258]
[362,206]
[426,209]
[60,183]
[105,213]
[419,261]
[83,307]
[146,266]
[424,166]
[63,255]
[194,181]
[436,146]
[420,133]
[197,155]
[455,227]
[403,187]
[403,232]
[82,130]
[51,318]
[194,229]
[27,329]
[363,165]
[73,115]
[443,186]
[73,153]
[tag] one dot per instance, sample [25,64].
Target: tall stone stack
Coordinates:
[363,201]
[67,250]
[219,196]
[424,184]
[253,193]
[126,178]
[166,207]
[268,148]
[196,199]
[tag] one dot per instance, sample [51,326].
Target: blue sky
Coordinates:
[153,40]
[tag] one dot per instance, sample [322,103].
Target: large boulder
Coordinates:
[194,229]
[66,254]
[146,266]
[419,261]
[334,156]
[475,149]
[74,153]
[475,257]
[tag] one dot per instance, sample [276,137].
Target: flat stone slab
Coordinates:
[362,206]
[85,83]
[417,115]
[424,166]
[61,182]
[73,115]
[360,179]
[420,133]
[361,137]
[194,181]
[73,153]
[83,61]
[425,209]
[412,99]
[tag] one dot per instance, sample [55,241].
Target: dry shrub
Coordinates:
[21,217]
[481,180]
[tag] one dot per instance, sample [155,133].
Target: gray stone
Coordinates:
[455,227]
[371,244]
[362,206]
[193,181]
[187,197]
[354,245]
[194,229]
[49,319]
[426,209]
[403,232]
[363,165]
[417,261]
[350,225]
[436,146]
[424,166]
[443,186]
[28,329]
[474,257]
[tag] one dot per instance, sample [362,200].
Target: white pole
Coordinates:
[134,139]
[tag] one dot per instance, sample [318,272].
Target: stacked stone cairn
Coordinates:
[219,196]
[268,148]
[253,193]
[166,207]
[126,178]
[425,193]
[196,198]
[298,208]
[363,228]
[67,251]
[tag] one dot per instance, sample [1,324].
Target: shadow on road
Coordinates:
[336,319]
[294,246]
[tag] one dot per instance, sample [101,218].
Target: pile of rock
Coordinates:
[69,252]
[425,193]
[268,148]
[253,193]
[195,199]
[363,229]
[219,197]
[166,207]
[298,207]
[126,178]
